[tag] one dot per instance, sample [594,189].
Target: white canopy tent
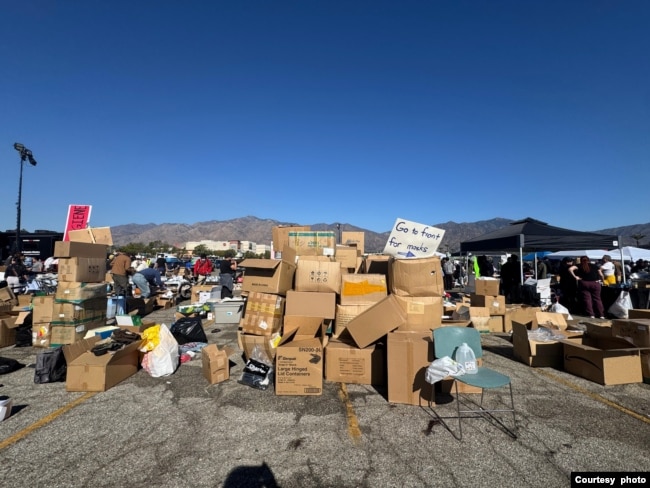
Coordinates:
[630,253]
[590,253]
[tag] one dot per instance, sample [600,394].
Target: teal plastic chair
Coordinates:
[446,340]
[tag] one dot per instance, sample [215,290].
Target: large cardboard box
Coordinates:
[409,353]
[84,312]
[345,313]
[354,239]
[95,235]
[87,372]
[249,342]
[536,353]
[309,303]
[215,363]
[422,313]
[486,286]
[637,331]
[496,304]
[69,334]
[203,293]
[363,288]
[90,270]
[318,276]
[346,256]
[604,360]
[268,275]
[42,309]
[377,321]
[263,314]
[281,237]
[519,313]
[418,277]
[79,291]
[8,330]
[346,363]
[312,243]
[299,359]
[71,249]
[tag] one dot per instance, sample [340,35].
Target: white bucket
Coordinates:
[5,408]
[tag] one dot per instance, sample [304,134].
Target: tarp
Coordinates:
[533,235]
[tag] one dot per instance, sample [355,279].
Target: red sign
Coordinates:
[78,218]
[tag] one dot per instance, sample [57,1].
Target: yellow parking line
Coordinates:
[45,420]
[353,422]
[595,396]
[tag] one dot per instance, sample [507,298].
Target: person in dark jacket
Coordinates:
[146,279]
[590,281]
[227,271]
[568,286]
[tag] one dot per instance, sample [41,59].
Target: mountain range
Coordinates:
[259,231]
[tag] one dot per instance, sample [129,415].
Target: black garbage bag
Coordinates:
[50,366]
[9,365]
[188,329]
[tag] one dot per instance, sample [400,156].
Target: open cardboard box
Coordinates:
[215,363]
[539,353]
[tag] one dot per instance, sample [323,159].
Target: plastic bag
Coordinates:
[620,307]
[163,359]
[557,307]
[50,366]
[258,371]
[150,338]
[188,329]
[440,368]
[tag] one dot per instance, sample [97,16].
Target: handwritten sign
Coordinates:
[78,218]
[413,240]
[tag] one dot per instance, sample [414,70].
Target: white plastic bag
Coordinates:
[557,307]
[620,307]
[440,368]
[163,359]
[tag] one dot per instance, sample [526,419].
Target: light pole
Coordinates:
[25,154]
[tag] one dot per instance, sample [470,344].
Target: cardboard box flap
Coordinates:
[76,349]
[551,320]
[269,264]
[613,345]
[303,328]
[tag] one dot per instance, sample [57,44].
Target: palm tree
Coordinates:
[637,238]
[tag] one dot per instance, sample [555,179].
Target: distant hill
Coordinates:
[260,231]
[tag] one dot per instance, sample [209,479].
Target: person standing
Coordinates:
[448,273]
[589,278]
[542,270]
[146,279]
[568,285]
[227,271]
[202,269]
[120,270]
[609,271]
[15,273]
[511,279]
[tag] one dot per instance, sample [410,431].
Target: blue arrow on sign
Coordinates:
[408,254]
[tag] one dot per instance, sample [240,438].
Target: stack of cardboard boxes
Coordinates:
[8,317]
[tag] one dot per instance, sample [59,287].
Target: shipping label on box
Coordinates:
[363,288]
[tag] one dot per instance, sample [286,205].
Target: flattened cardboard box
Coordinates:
[346,363]
[299,359]
[419,277]
[318,276]
[268,275]
[309,303]
[363,288]
[422,313]
[87,372]
[215,363]
[377,321]
[409,354]
[604,360]
[71,249]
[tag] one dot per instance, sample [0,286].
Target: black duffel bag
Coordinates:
[188,329]
[50,366]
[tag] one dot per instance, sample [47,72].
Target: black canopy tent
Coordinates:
[532,235]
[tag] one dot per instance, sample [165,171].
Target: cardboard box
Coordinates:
[299,359]
[312,243]
[418,277]
[165,302]
[91,270]
[79,291]
[263,314]
[354,239]
[268,275]
[71,249]
[42,309]
[318,276]
[346,363]
[376,264]
[604,360]
[496,304]
[519,313]
[41,334]
[215,363]
[422,313]
[409,353]
[24,300]
[478,316]
[248,343]
[87,372]
[345,313]
[96,235]
[281,237]
[346,256]
[203,293]
[311,304]
[7,295]
[8,330]
[363,288]
[495,323]
[637,313]
[486,286]
[69,334]
[377,321]
[82,312]
[538,354]
[637,331]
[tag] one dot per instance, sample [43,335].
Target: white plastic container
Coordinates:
[6,405]
[466,357]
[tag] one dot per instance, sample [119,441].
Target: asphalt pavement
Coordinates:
[179,431]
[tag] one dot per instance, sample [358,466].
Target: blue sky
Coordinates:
[358,112]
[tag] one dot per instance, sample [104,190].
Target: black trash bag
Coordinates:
[188,329]
[9,365]
[24,333]
[50,366]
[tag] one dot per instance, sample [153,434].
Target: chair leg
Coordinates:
[460,425]
[512,405]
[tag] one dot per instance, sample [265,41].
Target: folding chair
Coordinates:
[446,340]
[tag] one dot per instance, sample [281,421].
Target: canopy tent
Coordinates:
[533,235]
[592,254]
[534,256]
[630,253]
